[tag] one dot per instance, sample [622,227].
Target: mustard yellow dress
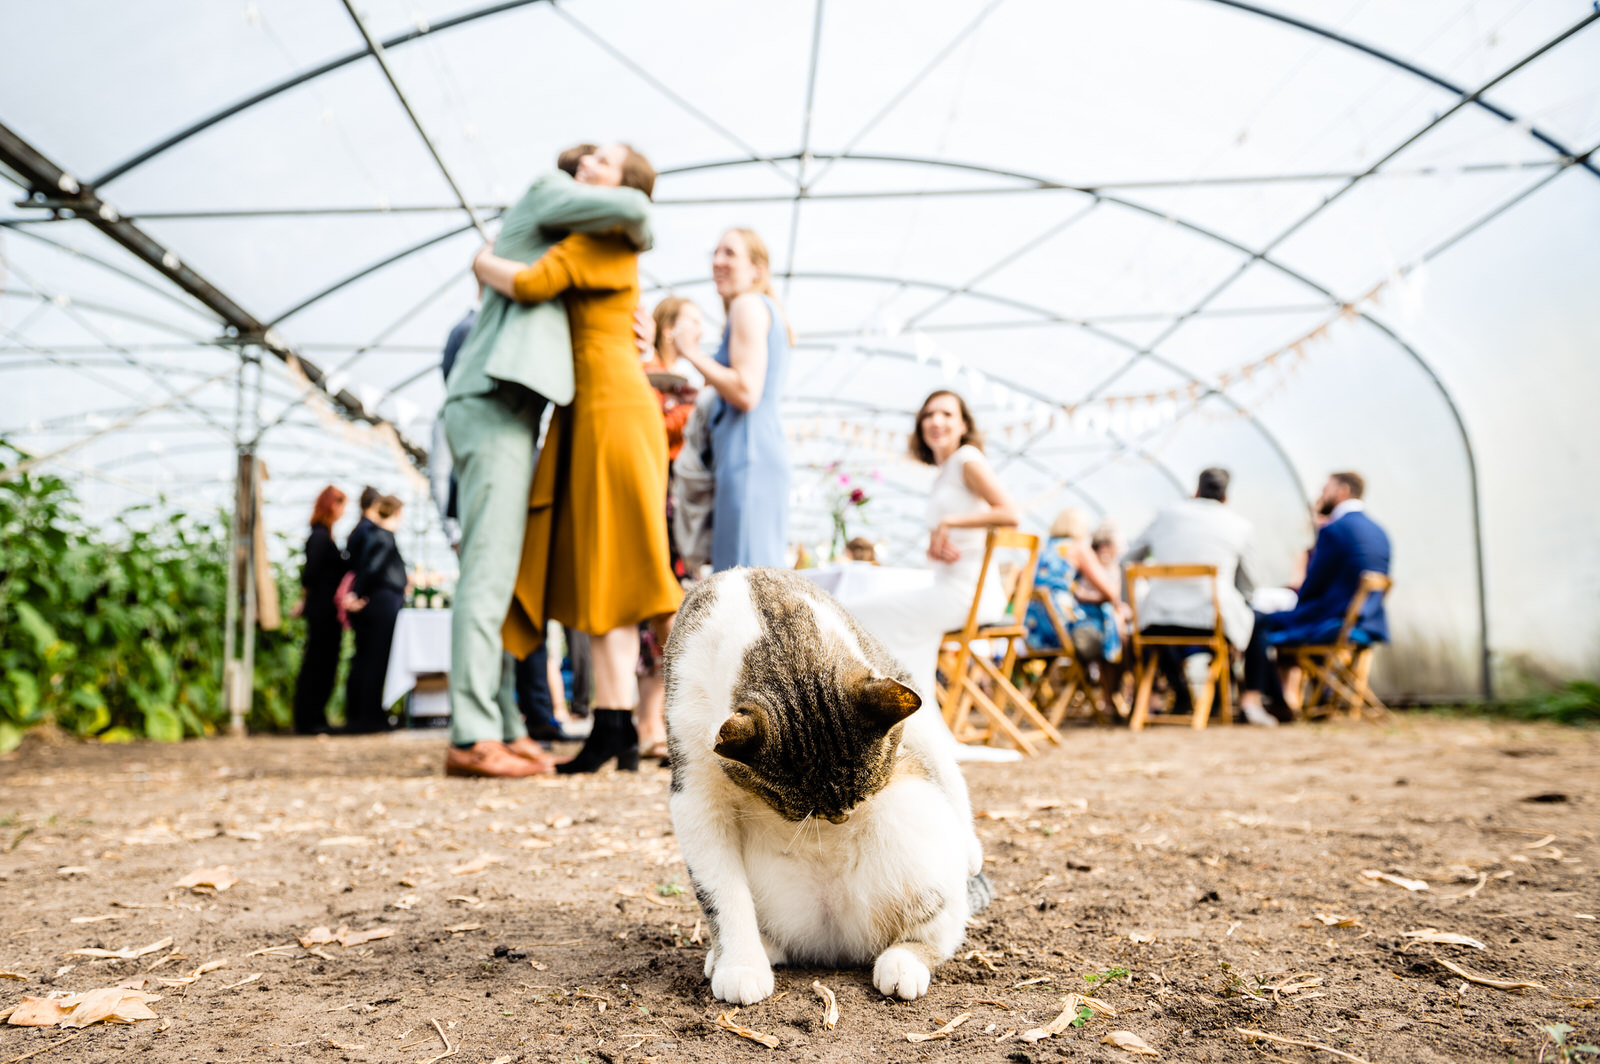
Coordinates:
[595,555]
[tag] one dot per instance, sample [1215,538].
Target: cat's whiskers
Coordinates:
[797,832]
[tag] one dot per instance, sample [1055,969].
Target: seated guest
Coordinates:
[966,501]
[1199,531]
[861,549]
[1068,561]
[1348,544]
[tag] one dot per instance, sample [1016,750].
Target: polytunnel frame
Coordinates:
[375,48]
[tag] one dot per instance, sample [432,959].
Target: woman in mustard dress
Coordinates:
[595,556]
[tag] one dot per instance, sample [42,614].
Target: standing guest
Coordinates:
[1349,544]
[516,358]
[319,581]
[750,456]
[378,593]
[595,555]
[966,501]
[676,403]
[535,700]
[368,502]
[1200,531]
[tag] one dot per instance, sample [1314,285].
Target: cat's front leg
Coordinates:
[737,962]
[905,969]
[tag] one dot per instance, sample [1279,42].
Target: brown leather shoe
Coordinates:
[526,747]
[488,758]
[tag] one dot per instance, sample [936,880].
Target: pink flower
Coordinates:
[844,480]
[858,497]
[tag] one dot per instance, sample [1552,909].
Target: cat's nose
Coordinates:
[837,818]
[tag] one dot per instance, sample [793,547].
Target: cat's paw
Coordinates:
[711,961]
[898,972]
[743,984]
[974,856]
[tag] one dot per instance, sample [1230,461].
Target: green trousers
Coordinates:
[491,440]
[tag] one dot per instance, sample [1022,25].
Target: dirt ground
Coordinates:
[543,920]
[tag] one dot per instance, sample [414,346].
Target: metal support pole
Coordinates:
[230,621]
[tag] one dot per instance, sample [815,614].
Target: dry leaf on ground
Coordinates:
[252,977]
[356,938]
[97,919]
[1484,980]
[1069,1012]
[15,975]
[1399,881]
[218,879]
[317,936]
[460,929]
[830,1004]
[943,1032]
[727,1023]
[37,1012]
[108,1004]
[1129,1041]
[1138,939]
[131,953]
[476,865]
[345,840]
[1449,938]
[1334,920]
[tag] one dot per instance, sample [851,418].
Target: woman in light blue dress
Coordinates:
[750,457]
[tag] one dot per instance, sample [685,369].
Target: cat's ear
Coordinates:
[887,701]
[740,736]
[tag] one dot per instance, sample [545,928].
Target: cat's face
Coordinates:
[818,745]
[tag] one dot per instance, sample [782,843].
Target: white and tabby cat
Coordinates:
[817,802]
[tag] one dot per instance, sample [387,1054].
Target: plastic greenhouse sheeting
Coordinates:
[1143,237]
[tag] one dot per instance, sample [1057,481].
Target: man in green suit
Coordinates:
[516,360]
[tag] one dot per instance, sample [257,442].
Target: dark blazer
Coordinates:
[378,566]
[1345,549]
[352,542]
[325,567]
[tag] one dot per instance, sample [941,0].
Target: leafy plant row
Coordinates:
[116,631]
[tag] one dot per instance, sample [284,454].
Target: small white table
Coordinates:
[421,646]
[852,581]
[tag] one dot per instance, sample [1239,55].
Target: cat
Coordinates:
[816,799]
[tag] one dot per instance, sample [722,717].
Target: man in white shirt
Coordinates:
[1198,531]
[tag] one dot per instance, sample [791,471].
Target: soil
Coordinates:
[543,920]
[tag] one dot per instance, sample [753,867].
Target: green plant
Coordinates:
[1096,978]
[115,630]
[1085,1014]
[1565,1053]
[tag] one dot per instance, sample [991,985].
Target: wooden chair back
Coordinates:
[1145,666]
[1335,677]
[972,680]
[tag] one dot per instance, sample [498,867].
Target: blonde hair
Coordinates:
[756,248]
[1071,523]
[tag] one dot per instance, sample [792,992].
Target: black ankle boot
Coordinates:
[613,736]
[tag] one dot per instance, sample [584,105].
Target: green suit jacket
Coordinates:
[531,344]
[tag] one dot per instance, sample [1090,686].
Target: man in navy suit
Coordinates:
[1349,544]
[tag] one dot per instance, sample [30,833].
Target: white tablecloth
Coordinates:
[850,581]
[421,645]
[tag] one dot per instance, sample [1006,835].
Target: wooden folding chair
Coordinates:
[1007,713]
[1053,679]
[1334,676]
[1219,676]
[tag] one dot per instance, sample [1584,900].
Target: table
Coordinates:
[421,647]
[850,581]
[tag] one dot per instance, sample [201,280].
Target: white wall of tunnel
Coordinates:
[1144,238]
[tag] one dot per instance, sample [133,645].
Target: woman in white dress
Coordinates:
[966,501]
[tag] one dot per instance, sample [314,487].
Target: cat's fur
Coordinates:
[818,803]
